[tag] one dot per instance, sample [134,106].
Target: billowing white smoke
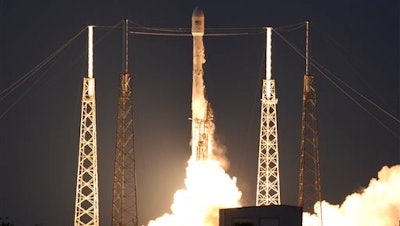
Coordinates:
[377,205]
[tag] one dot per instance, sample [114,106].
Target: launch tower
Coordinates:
[87,201]
[268,190]
[309,182]
[124,202]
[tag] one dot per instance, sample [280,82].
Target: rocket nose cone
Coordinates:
[197,12]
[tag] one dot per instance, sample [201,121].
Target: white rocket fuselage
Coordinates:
[201,115]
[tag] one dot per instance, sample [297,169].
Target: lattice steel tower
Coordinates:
[309,182]
[268,190]
[87,201]
[124,203]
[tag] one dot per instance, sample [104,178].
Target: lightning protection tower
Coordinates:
[87,201]
[309,182]
[268,190]
[124,202]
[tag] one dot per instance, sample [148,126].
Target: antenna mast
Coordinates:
[124,201]
[87,200]
[268,190]
[309,182]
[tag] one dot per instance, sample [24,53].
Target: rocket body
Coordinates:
[201,112]
[198,46]
[197,22]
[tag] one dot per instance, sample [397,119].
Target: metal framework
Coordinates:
[86,203]
[268,189]
[124,203]
[309,182]
[201,132]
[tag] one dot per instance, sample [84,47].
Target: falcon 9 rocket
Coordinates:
[201,112]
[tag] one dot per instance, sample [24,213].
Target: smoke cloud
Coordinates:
[376,205]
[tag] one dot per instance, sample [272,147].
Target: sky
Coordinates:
[357,41]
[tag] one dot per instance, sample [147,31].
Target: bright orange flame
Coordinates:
[377,205]
[207,189]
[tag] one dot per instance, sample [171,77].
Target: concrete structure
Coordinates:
[273,215]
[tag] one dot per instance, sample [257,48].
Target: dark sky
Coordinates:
[358,41]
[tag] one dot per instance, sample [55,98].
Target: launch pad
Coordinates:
[269,211]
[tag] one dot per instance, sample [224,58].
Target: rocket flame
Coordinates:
[377,205]
[207,189]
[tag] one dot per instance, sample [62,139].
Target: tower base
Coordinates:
[273,215]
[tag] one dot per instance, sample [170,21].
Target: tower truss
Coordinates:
[309,181]
[124,203]
[268,189]
[86,203]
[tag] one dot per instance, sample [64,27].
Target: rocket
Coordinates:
[198,47]
[197,22]
[201,112]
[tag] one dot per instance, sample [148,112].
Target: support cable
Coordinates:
[345,53]
[29,74]
[189,34]
[318,67]
[289,28]
[9,90]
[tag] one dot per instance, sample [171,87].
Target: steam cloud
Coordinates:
[376,205]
